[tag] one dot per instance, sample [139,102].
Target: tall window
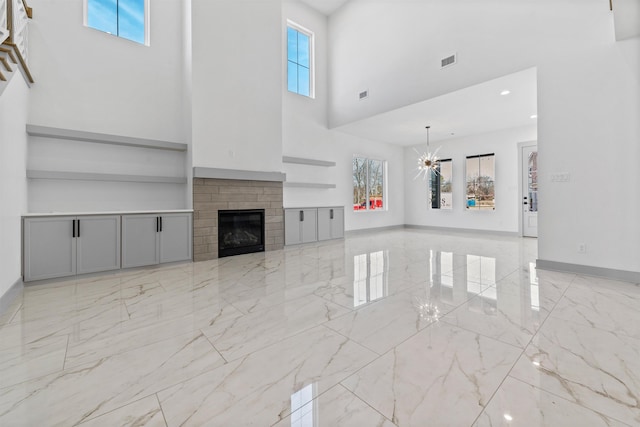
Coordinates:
[441,189]
[368,184]
[481,174]
[122,18]
[299,60]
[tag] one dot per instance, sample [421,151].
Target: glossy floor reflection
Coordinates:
[402,327]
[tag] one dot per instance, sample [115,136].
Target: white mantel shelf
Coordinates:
[310,162]
[308,185]
[216,173]
[90,176]
[103,138]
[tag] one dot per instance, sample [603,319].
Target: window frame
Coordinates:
[367,207]
[435,186]
[312,75]
[147,30]
[474,208]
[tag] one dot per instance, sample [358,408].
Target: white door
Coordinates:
[530,191]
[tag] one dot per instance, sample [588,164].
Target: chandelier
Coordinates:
[428,161]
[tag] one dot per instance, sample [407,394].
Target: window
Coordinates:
[441,190]
[122,18]
[368,184]
[481,182]
[299,60]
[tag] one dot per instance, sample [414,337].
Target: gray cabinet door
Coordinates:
[98,243]
[139,240]
[49,248]
[175,237]
[330,223]
[337,223]
[324,223]
[292,227]
[309,225]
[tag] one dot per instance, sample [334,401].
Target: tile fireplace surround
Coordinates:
[212,195]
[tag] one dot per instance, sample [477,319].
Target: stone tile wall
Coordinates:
[211,195]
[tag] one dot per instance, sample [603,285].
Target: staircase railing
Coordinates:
[14,19]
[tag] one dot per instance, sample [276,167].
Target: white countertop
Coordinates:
[41,214]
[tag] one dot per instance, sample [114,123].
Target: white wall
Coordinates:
[305,134]
[13,182]
[237,70]
[588,126]
[92,81]
[89,80]
[508,205]
[588,99]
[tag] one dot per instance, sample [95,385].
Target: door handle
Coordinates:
[78,234]
[73,228]
[301,215]
[161,224]
[157,224]
[331,214]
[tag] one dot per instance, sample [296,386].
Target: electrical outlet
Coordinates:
[582,248]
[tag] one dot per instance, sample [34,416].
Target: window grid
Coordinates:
[299,60]
[122,18]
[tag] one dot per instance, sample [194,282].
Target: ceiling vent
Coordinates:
[363,95]
[448,61]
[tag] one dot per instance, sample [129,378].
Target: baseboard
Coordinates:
[587,270]
[12,293]
[463,230]
[374,229]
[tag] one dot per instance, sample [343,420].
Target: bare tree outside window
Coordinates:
[481,182]
[368,184]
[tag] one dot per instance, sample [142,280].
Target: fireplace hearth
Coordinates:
[240,232]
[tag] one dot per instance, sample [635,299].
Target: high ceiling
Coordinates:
[470,111]
[326,7]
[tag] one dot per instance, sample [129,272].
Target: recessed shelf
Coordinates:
[103,138]
[310,162]
[308,185]
[89,176]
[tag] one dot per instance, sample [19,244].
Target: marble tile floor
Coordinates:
[393,328]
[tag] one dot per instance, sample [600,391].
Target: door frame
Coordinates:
[521,145]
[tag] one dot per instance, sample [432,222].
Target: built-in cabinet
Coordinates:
[155,239]
[69,245]
[330,223]
[305,225]
[59,246]
[300,226]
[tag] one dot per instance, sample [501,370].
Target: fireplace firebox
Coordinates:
[240,232]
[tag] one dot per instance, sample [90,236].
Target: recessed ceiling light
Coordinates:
[508,417]
[534,116]
[505,92]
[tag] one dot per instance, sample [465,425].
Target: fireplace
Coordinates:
[240,231]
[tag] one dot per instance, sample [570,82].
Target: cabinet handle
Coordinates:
[73,228]
[301,215]
[157,224]
[331,214]
[161,224]
[78,234]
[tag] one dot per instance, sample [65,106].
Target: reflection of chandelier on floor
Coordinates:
[427,162]
[427,310]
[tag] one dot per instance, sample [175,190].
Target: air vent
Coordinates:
[364,94]
[448,61]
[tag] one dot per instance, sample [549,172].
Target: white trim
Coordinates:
[588,270]
[10,295]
